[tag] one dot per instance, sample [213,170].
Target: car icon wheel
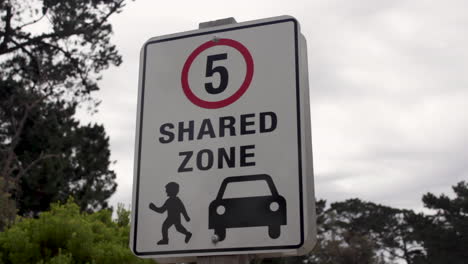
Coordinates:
[274,231]
[221,233]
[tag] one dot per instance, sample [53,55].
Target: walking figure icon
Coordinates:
[175,208]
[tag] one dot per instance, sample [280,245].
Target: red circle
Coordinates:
[231,99]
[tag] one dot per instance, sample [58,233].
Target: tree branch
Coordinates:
[69,55]
[31,22]
[11,155]
[62,34]
[8,29]
[31,165]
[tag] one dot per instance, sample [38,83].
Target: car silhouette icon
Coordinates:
[267,210]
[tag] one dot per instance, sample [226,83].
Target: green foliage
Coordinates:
[65,60]
[356,231]
[66,235]
[7,206]
[123,216]
[45,154]
[445,233]
[341,238]
[79,166]
[388,228]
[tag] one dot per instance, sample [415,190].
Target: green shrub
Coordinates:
[65,235]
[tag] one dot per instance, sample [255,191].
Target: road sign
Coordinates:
[223,161]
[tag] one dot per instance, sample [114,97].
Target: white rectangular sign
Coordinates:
[223,161]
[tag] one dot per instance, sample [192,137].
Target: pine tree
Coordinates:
[45,154]
[445,233]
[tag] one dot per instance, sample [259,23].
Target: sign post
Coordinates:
[223,160]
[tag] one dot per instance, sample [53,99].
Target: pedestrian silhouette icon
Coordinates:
[175,208]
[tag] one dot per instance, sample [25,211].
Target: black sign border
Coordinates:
[299,143]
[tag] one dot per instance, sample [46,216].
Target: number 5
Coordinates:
[210,71]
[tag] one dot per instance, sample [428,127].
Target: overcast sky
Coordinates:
[388,90]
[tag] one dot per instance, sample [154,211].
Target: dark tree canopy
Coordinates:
[51,55]
[445,233]
[78,166]
[356,231]
[57,47]
[342,238]
[388,228]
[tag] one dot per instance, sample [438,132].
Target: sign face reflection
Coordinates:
[223,161]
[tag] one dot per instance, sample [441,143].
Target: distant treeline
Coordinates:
[360,232]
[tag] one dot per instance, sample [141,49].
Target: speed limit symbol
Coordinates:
[219,93]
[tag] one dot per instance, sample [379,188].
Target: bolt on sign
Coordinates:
[223,160]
